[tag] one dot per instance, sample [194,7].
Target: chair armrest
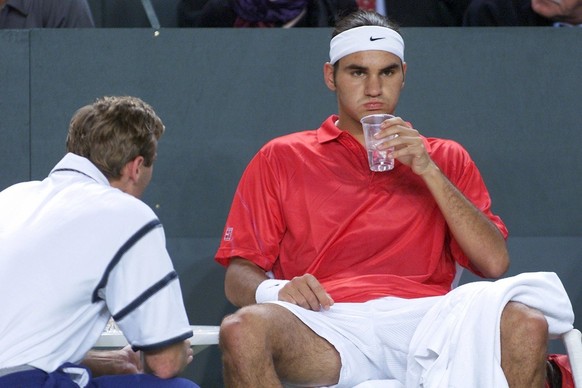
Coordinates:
[204,336]
[573,343]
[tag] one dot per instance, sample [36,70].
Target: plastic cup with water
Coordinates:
[379,160]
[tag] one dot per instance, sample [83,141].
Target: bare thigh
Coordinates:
[300,356]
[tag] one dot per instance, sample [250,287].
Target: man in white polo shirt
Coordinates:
[78,248]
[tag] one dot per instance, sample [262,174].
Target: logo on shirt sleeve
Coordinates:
[228,234]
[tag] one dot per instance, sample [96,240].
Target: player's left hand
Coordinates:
[408,145]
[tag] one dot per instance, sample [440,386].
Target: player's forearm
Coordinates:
[479,238]
[241,281]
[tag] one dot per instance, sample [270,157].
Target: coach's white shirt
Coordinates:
[72,250]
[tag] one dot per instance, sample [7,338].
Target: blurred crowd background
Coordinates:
[283,13]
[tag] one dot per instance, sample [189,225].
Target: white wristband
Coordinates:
[268,290]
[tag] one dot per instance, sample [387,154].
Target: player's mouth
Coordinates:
[374,106]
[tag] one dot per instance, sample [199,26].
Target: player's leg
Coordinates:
[524,339]
[265,344]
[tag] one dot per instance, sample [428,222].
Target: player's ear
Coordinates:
[329,76]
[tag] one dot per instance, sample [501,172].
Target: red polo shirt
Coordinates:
[308,203]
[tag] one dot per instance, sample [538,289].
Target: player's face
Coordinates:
[367,82]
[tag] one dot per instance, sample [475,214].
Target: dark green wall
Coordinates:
[511,96]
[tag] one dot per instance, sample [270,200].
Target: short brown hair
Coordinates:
[113,131]
[362,18]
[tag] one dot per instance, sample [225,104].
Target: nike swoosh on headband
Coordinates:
[373,39]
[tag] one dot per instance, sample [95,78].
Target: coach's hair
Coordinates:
[113,131]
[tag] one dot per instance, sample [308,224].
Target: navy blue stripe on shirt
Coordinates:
[73,170]
[124,248]
[145,296]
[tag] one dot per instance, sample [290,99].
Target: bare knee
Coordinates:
[240,329]
[246,355]
[523,324]
[524,341]
[520,318]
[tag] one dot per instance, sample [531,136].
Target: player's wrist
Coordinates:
[268,290]
[431,172]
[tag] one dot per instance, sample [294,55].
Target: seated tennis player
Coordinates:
[345,276]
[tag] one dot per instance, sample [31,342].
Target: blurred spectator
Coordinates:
[45,14]
[316,13]
[262,13]
[524,13]
[423,13]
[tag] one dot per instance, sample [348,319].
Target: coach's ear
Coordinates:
[133,168]
[129,180]
[329,76]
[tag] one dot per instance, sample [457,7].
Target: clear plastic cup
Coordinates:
[379,160]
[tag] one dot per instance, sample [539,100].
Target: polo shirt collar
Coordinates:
[83,165]
[329,131]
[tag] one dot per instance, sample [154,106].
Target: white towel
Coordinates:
[457,343]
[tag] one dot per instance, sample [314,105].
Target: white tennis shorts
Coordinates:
[372,338]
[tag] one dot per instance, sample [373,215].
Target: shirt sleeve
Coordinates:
[255,224]
[144,296]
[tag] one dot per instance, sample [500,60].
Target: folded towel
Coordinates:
[457,343]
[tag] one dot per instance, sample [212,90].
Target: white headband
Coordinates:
[363,39]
